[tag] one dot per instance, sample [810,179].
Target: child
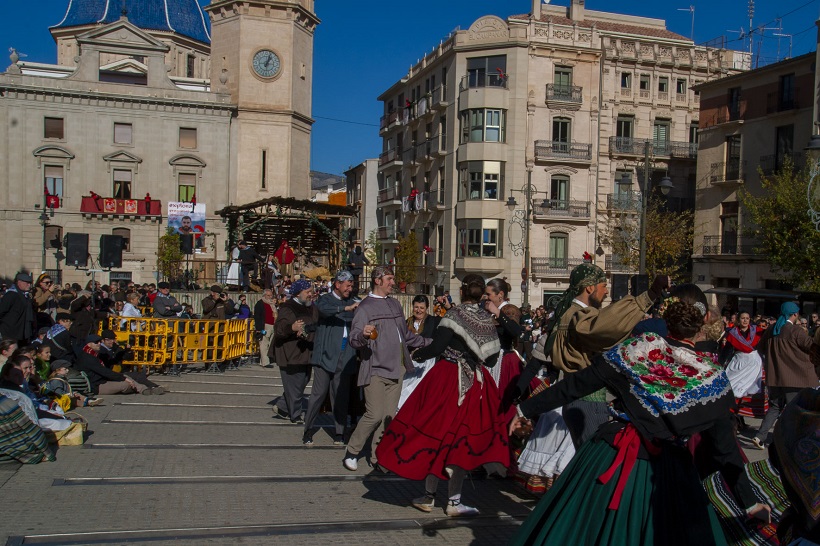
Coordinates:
[41,361]
[58,385]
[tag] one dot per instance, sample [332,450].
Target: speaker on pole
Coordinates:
[76,249]
[111,251]
[640,284]
[620,286]
[186,243]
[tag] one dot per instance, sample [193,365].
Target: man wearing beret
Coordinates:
[166,305]
[105,381]
[16,311]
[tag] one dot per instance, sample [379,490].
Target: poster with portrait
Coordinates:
[188,218]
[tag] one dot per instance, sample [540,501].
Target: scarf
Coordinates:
[13,288]
[737,335]
[786,310]
[55,330]
[582,276]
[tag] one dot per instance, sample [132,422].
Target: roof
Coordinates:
[289,203]
[605,26]
[184,17]
[320,180]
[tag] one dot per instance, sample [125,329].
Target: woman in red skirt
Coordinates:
[451,423]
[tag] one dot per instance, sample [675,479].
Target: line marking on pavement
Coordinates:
[224,393]
[280,423]
[209,446]
[171,480]
[266,407]
[193,533]
[220,383]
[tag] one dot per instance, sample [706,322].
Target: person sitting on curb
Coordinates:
[103,380]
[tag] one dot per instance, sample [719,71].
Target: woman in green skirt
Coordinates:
[635,483]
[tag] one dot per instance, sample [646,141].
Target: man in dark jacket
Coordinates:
[59,339]
[292,344]
[356,263]
[165,305]
[17,311]
[104,381]
[217,305]
[333,359]
[82,316]
[247,263]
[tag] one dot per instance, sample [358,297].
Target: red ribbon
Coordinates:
[628,444]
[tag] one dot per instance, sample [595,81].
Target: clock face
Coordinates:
[266,63]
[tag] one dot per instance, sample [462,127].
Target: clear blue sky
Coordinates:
[363,47]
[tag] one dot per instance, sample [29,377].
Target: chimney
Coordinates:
[536,9]
[576,10]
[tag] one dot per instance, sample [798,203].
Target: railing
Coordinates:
[771,164]
[109,205]
[386,120]
[551,267]
[409,155]
[472,81]
[663,95]
[728,171]
[438,96]
[626,91]
[776,102]
[615,263]
[388,194]
[561,208]
[545,149]
[644,93]
[680,97]
[386,232]
[660,148]
[411,279]
[715,245]
[564,93]
[624,201]
[424,149]
[434,144]
[388,157]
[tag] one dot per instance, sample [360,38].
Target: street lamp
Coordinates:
[665,186]
[528,191]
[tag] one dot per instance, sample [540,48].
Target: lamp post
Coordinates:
[528,192]
[665,185]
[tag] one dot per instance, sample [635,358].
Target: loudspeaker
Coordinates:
[186,243]
[639,284]
[620,286]
[110,251]
[76,249]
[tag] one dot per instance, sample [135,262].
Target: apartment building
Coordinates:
[514,134]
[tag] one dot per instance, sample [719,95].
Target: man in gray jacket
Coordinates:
[333,358]
[385,358]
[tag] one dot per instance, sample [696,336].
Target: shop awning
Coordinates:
[762,293]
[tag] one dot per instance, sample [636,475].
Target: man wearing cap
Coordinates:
[581,329]
[111,354]
[166,305]
[247,263]
[333,359]
[292,344]
[104,381]
[217,305]
[58,338]
[385,359]
[17,311]
[785,348]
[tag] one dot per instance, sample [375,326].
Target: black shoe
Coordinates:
[280,414]
[307,439]
[299,420]
[339,440]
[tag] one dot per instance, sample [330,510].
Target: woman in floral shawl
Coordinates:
[634,482]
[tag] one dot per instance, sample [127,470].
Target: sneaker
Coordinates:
[147,392]
[94,401]
[757,443]
[158,390]
[455,509]
[299,420]
[425,503]
[351,462]
[307,440]
[339,440]
[279,413]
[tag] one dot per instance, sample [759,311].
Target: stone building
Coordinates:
[150,102]
[550,107]
[751,124]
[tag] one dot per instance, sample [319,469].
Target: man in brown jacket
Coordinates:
[785,349]
[217,305]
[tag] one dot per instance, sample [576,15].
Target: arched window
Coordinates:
[125,233]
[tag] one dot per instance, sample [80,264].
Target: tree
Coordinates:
[784,227]
[169,255]
[372,247]
[408,258]
[669,239]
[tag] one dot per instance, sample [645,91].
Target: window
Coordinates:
[487,71]
[264,181]
[480,180]
[441,185]
[122,184]
[54,128]
[54,236]
[644,82]
[663,84]
[443,132]
[734,103]
[187,187]
[440,245]
[623,126]
[729,227]
[125,233]
[559,192]
[479,239]
[626,80]
[53,179]
[733,157]
[693,132]
[483,125]
[786,92]
[187,138]
[680,87]
[784,144]
[660,136]
[561,134]
[563,77]
[558,250]
[117,276]
[122,133]
[189,66]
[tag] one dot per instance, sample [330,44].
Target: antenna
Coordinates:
[691,9]
[789,36]
[751,16]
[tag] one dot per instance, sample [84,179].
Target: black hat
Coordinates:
[216,288]
[43,330]
[57,364]
[93,338]
[164,284]
[109,334]
[63,316]
[25,277]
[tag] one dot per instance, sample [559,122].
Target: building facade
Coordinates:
[515,134]
[362,193]
[752,124]
[159,102]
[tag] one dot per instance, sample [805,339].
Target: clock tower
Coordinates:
[262,55]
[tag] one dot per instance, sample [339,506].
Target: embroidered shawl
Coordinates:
[476,327]
[746,345]
[667,379]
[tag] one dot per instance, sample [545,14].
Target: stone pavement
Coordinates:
[208,464]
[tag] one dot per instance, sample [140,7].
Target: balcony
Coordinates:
[546,150]
[566,95]
[629,202]
[616,264]
[715,245]
[771,164]
[409,155]
[387,120]
[554,267]
[386,233]
[561,208]
[438,99]
[477,80]
[777,102]
[390,158]
[108,206]
[659,148]
[389,195]
[727,173]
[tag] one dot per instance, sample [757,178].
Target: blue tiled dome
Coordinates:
[184,17]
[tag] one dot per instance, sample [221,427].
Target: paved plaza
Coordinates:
[208,463]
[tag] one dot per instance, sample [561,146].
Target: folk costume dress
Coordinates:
[425,328]
[634,483]
[510,365]
[452,418]
[745,369]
